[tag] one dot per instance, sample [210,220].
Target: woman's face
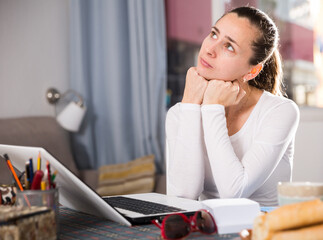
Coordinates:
[225,52]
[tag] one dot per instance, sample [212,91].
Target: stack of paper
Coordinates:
[232,215]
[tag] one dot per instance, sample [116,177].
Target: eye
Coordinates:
[229,47]
[213,35]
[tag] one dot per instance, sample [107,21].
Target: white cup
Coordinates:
[293,192]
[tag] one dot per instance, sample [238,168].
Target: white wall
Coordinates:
[308,160]
[33,55]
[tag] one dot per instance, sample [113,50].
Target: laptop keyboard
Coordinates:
[140,206]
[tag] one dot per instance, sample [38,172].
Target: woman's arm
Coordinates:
[185,164]
[241,177]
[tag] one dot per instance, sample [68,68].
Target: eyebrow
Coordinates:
[226,36]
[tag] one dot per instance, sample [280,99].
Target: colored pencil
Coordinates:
[13,171]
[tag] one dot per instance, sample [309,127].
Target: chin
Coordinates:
[204,73]
[209,74]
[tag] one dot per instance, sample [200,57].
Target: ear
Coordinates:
[253,72]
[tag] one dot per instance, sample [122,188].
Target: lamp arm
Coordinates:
[80,102]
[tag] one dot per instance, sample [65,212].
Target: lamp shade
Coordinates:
[71,116]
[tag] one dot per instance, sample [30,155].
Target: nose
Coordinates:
[211,49]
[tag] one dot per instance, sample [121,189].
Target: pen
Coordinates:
[54,176]
[43,185]
[39,162]
[48,175]
[15,176]
[37,180]
[27,175]
[13,171]
[31,170]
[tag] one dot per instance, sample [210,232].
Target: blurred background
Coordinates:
[128,60]
[301,44]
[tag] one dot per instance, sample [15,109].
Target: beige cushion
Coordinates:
[136,176]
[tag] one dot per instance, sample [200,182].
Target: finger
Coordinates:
[192,70]
[227,84]
[212,83]
[201,81]
[236,87]
[201,77]
[240,95]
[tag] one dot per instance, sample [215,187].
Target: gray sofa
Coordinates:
[47,133]
[38,132]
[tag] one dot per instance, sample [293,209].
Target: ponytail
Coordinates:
[271,76]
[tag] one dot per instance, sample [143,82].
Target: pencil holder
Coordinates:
[47,198]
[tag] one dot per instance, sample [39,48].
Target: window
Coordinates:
[301,44]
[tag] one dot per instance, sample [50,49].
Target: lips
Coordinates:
[205,63]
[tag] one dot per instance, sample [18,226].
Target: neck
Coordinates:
[244,102]
[234,112]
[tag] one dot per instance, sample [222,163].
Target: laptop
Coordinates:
[75,194]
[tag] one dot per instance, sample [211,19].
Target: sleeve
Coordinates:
[241,177]
[185,164]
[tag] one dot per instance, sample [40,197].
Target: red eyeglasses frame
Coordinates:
[190,220]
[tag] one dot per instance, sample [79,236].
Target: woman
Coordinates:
[232,136]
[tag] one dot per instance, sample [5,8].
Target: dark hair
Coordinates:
[265,48]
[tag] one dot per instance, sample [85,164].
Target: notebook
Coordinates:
[75,194]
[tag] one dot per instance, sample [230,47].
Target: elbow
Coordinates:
[182,192]
[236,190]
[187,195]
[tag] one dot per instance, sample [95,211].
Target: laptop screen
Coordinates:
[73,193]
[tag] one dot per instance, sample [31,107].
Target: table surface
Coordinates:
[76,225]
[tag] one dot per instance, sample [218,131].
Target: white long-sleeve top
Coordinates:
[205,162]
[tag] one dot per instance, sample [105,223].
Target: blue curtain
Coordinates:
[118,63]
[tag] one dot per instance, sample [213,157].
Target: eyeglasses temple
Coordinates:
[155,221]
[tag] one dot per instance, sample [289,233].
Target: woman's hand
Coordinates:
[226,93]
[195,86]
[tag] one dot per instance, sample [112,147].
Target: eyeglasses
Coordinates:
[177,225]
